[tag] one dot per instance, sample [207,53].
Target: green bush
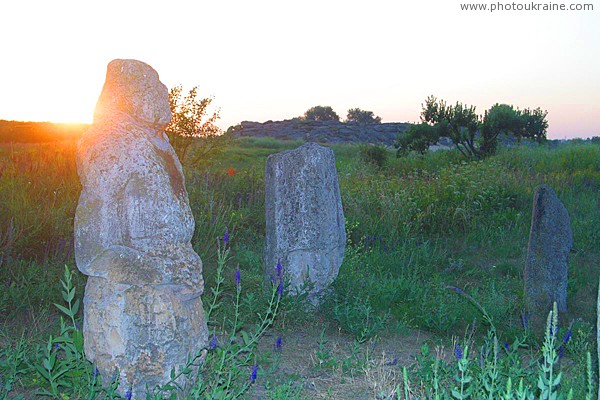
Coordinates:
[374,155]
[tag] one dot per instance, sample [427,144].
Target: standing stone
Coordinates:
[133,227]
[550,241]
[305,228]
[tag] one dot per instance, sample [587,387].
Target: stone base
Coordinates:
[143,331]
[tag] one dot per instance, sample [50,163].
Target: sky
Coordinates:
[271,60]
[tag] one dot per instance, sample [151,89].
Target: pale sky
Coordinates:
[271,60]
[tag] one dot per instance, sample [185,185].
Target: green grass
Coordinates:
[416,226]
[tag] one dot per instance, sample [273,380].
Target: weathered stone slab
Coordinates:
[305,227]
[133,230]
[550,242]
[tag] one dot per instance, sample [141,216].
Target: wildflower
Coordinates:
[231,171]
[278,268]
[524,320]
[95,374]
[278,343]
[213,342]
[128,394]
[238,277]
[8,283]
[561,351]
[280,288]
[567,336]
[254,373]
[226,237]
[457,290]
[506,346]
[458,353]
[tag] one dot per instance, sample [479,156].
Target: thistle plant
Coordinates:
[549,378]
[62,364]
[463,378]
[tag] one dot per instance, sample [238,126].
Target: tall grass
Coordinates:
[416,226]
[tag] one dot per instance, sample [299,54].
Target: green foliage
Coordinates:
[417,138]
[505,119]
[357,317]
[192,130]
[321,113]
[374,155]
[418,225]
[495,371]
[362,116]
[462,125]
[216,371]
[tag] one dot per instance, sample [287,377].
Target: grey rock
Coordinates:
[305,227]
[550,242]
[333,132]
[133,230]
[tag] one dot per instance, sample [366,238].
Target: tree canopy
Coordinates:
[362,116]
[473,135]
[192,130]
[321,113]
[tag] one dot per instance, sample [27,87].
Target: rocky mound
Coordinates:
[333,132]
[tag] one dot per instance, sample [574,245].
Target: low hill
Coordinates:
[35,132]
[333,132]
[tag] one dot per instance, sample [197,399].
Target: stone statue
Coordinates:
[133,228]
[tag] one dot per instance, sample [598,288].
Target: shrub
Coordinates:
[375,155]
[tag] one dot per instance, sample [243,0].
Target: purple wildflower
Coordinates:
[254,373]
[524,320]
[506,346]
[128,394]
[561,351]
[226,237]
[95,374]
[457,290]
[458,353]
[278,343]
[213,342]
[279,269]
[567,336]
[238,277]
[280,288]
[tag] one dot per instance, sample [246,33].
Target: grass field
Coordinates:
[417,227]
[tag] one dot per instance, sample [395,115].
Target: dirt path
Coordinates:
[328,364]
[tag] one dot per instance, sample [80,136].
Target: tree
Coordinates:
[321,113]
[507,120]
[418,137]
[535,124]
[499,119]
[192,130]
[362,116]
[473,136]
[460,123]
